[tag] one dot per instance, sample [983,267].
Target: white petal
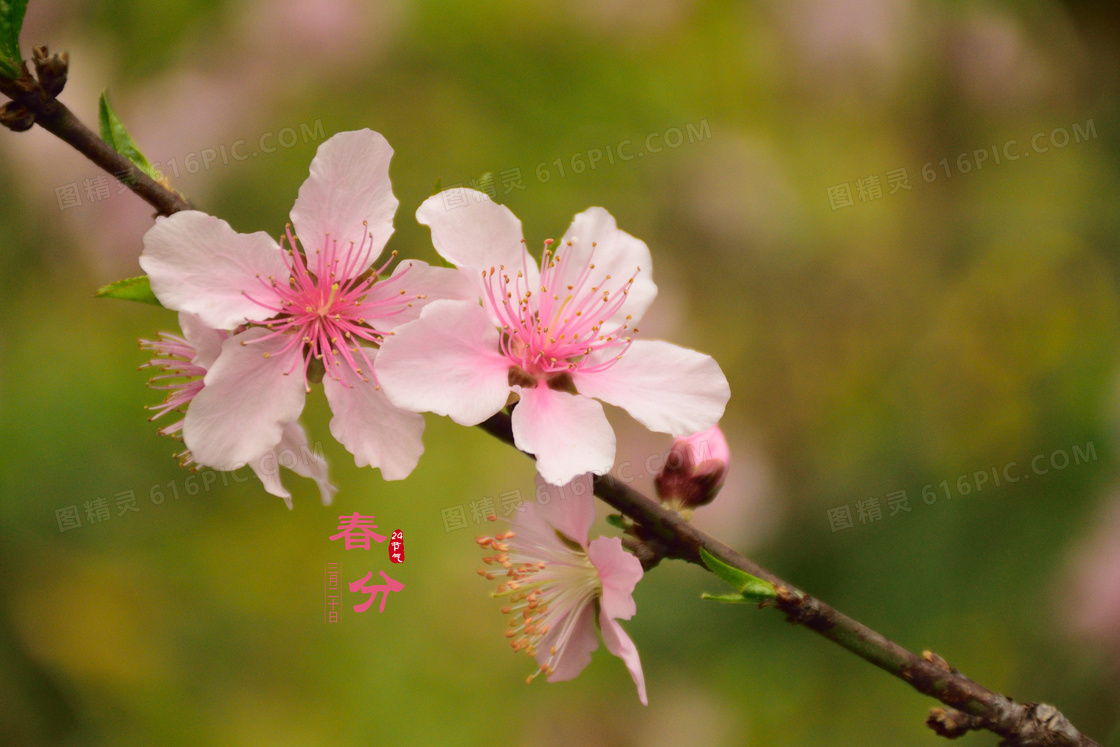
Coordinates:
[615,253]
[247,400]
[422,284]
[348,184]
[294,453]
[207,343]
[197,263]
[373,430]
[568,433]
[446,362]
[665,387]
[478,234]
[270,477]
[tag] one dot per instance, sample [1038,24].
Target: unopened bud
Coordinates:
[694,470]
[51,69]
[16,117]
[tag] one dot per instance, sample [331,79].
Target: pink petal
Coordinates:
[293,452]
[619,572]
[307,461]
[619,644]
[446,362]
[422,285]
[378,434]
[247,400]
[569,434]
[270,479]
[207,343]
[348,184]
[197,263]
[570,508]
[478,234]
[575,639]
[616,253]
[665,387]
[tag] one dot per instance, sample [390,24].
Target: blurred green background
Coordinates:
[879,336]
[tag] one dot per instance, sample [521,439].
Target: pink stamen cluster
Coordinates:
[182,381]
[327,309]
[556,329]
[543,587]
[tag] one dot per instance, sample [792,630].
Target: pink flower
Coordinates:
[184,362]
[556,337]
[556,582]
[317,312]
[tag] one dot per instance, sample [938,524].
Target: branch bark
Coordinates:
[55,117]
[1020,724]
[970,705]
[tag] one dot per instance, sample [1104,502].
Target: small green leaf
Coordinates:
[11,22]
[615,520]
[114,133]
[727,598]
[130,289]
[752,588]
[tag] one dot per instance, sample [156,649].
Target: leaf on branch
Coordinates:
[726,598]
[114,133]
[751,588]
[11,22]
[130,289]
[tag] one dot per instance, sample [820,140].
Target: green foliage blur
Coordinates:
[879,336]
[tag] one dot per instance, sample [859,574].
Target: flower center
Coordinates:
[547,586]
[555,327]
[326,305]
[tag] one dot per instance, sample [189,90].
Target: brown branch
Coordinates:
[666,533]
[53,116]
[972,706]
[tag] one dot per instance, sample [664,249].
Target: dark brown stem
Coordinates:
[53,116]
[971,706]
[1020,724]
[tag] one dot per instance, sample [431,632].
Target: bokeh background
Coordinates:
[879,335]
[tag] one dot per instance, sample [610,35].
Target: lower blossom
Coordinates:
[557,584]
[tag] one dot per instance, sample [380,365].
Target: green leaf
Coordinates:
[11,22]
[130,289]
[615,520]
[728,598]
[114,133]
[752,588]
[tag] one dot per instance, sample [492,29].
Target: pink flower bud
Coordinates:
[694,470]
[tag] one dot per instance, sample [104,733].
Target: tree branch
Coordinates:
[53,116]
[974,706]
[971,706]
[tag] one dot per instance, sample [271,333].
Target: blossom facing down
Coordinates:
[694,470]
[557,584]
[184,362]
[559,336]
[312,307]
